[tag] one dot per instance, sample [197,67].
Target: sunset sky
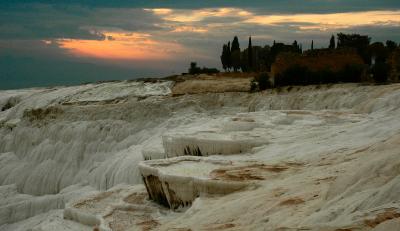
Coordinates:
[50,42]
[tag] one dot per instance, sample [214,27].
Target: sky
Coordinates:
[50,42]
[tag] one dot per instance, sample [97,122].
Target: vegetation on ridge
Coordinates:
[352,58]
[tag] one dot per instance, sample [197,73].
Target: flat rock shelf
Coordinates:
[177,182]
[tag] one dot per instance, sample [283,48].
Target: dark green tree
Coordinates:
[235,54]
[225,57]
[265,58]
[332,44]
[312,44]
[378,51]
[263,81]
[244,62]
[229,58]
[380,72]
[352,40]
[391,45]
[194,69]
[356,41]
[250,55]
[235,44]
[260,82]
[296,47]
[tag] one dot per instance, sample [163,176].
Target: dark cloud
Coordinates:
[317,6]
[45,19]
[43,22]
[38,21]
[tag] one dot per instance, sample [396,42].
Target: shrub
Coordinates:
[302,75]
[295,75]
[380,72]
[209,70]
[351,74]
[194,69]
[260,82]
[253,85]
[263,81]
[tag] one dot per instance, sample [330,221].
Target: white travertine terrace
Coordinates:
[323,158]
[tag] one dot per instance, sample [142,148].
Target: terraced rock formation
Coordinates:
[296,158]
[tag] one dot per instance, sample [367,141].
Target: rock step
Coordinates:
[177,182]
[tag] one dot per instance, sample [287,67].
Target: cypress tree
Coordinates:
[296,47]
[224,57]
[235,54]
[228,56]
[250,55]
[332,43]
[312,44]
[235,44]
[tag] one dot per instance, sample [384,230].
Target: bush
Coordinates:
[351,74]
[380,72]
[260,83]
[263,81]
[253,85]
[194,69]
[302,75]
[206,70]
[295,75]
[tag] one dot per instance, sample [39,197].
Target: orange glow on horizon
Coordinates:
[128,46]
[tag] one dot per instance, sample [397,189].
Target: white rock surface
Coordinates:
[338,146]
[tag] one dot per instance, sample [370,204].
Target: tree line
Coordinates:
[260,58]
[377,56]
